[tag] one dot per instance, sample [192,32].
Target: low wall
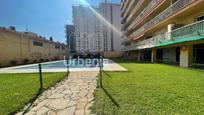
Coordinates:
[113,54]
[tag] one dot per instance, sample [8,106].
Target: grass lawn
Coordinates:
[153,89]
[18,89]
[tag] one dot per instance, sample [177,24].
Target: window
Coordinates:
[57,47]
[36,43]
[63,48]
[199,18]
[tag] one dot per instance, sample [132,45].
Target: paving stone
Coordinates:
[67,92]
[58,103]
[81,105]
[52,112]
[42,110]
[67,96]
[56,96]
[67,111]
[30,113]
[37,106]
[72,103]
[80,112]
[73,96]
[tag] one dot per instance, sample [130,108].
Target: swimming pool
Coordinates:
[62,64]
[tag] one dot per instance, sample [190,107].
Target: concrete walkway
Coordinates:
[73,96]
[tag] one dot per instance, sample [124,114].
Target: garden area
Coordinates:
[17,90]
[154,89]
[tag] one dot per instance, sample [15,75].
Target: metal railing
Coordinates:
[149,43]
[125,7]
[137,32]
[130,7]
[132,15]
[195,29]
[126,39]
[145,12]
[177,6]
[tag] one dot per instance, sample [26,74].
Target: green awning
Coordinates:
[180,40]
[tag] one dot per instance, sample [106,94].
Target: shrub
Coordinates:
[25,61]
[41,60]
[34,61]
[13,62]
[56,58]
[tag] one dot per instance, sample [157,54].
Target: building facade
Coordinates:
[26,47]
[70,35]
[92,33]
[168,31]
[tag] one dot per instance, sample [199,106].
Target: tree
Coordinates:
[51,39]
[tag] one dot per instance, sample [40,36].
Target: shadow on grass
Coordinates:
[110,97]
[113,101]
[40,91]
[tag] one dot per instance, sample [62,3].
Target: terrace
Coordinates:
[191,32]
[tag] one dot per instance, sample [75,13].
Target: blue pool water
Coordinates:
[63,64]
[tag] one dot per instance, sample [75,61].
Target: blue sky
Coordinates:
[44,17]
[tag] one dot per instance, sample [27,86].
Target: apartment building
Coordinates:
[168,31]
[70,35]
[92,33]
[26,47]
[84,21]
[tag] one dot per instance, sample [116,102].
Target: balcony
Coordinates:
[145,13]
[127,12]
[130,8]
[192,30]
[177,6]
[127,2]
[148,43]
[126,40]
[135,11]
[137,32]
[122,4]
[189,32]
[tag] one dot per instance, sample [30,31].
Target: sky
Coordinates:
[44,17]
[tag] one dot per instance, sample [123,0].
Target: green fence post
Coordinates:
[67,65]
[101,70]
[40,74]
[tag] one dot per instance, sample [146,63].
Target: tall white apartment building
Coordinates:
[93,34]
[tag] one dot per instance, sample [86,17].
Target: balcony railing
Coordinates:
[177,6]
[145,12]
[137,32]
[132,15]
[130,7]
[125,7]
[191,30]
[126,39]
[195,29]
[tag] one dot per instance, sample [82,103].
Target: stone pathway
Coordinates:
[73,96]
